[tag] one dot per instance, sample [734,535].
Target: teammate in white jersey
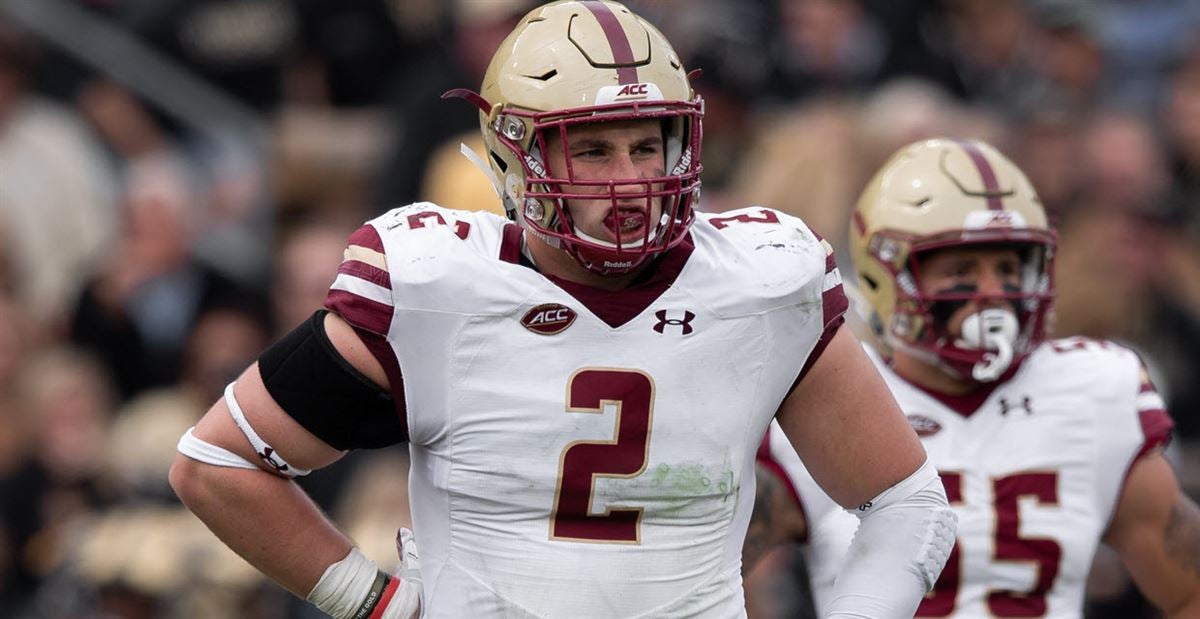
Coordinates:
[1046,448]
[582,388]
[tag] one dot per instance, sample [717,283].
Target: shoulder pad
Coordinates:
[757,259]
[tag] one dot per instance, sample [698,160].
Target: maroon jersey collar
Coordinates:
[614,307]
[968,403]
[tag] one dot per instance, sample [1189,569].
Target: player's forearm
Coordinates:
[901,545]
[266,520]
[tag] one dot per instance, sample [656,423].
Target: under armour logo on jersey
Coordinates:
[685,323]
[1006,406]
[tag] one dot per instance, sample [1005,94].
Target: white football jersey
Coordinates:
[576,452]
[1033,468]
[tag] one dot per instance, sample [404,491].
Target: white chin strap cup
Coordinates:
[993,330]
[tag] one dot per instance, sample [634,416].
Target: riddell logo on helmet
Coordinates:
[548,318]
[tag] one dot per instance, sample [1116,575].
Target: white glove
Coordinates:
[406,603]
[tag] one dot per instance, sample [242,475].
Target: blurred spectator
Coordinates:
[423,120]
[1182,118]
[1066,54]
[1110,239]
[139,305]
[54,185]
[143,435]
[986,43]
[1141,40]
[1047,147]
[306,261]
[826,46]
[67,402]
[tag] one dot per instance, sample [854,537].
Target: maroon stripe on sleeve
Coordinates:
[366,272]
[766,460]
[383,353]
[831,328]
[359,311]
[833,308]
[367,236]
[986,174]
[1156,434]
[617,41]
[1156,430]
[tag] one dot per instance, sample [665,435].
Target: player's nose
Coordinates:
[991,282]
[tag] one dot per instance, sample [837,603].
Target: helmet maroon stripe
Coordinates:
[986,174]
[860,224]
[621,51]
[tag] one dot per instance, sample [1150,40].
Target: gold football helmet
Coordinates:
[938,194]
[576,62]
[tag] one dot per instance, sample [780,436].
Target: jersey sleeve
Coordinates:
[833,305]
[362,291]
[1157,425]
[362,295]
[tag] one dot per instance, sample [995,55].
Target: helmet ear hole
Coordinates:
[870,282]
[498,161]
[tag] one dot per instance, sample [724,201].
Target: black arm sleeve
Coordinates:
[318,388]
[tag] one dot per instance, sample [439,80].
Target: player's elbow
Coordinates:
[192,481]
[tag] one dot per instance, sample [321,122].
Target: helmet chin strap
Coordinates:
[995,331]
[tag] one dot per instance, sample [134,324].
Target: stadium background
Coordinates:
[177,179]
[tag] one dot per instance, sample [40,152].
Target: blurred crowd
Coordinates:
[178,178]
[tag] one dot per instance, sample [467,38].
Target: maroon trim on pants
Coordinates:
[617,41]
[991,187]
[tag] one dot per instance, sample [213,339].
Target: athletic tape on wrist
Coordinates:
[264,451]
[204,451]
[347,585]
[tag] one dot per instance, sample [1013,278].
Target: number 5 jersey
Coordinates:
[1033,466]
[576,452]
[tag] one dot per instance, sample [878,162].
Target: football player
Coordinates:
[1046,447]
[582,386]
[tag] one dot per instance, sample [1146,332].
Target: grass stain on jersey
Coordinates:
[690,480]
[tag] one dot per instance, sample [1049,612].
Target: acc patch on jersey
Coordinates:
[923,425]
[549,318]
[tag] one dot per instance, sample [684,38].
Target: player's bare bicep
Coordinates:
[1181,536]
